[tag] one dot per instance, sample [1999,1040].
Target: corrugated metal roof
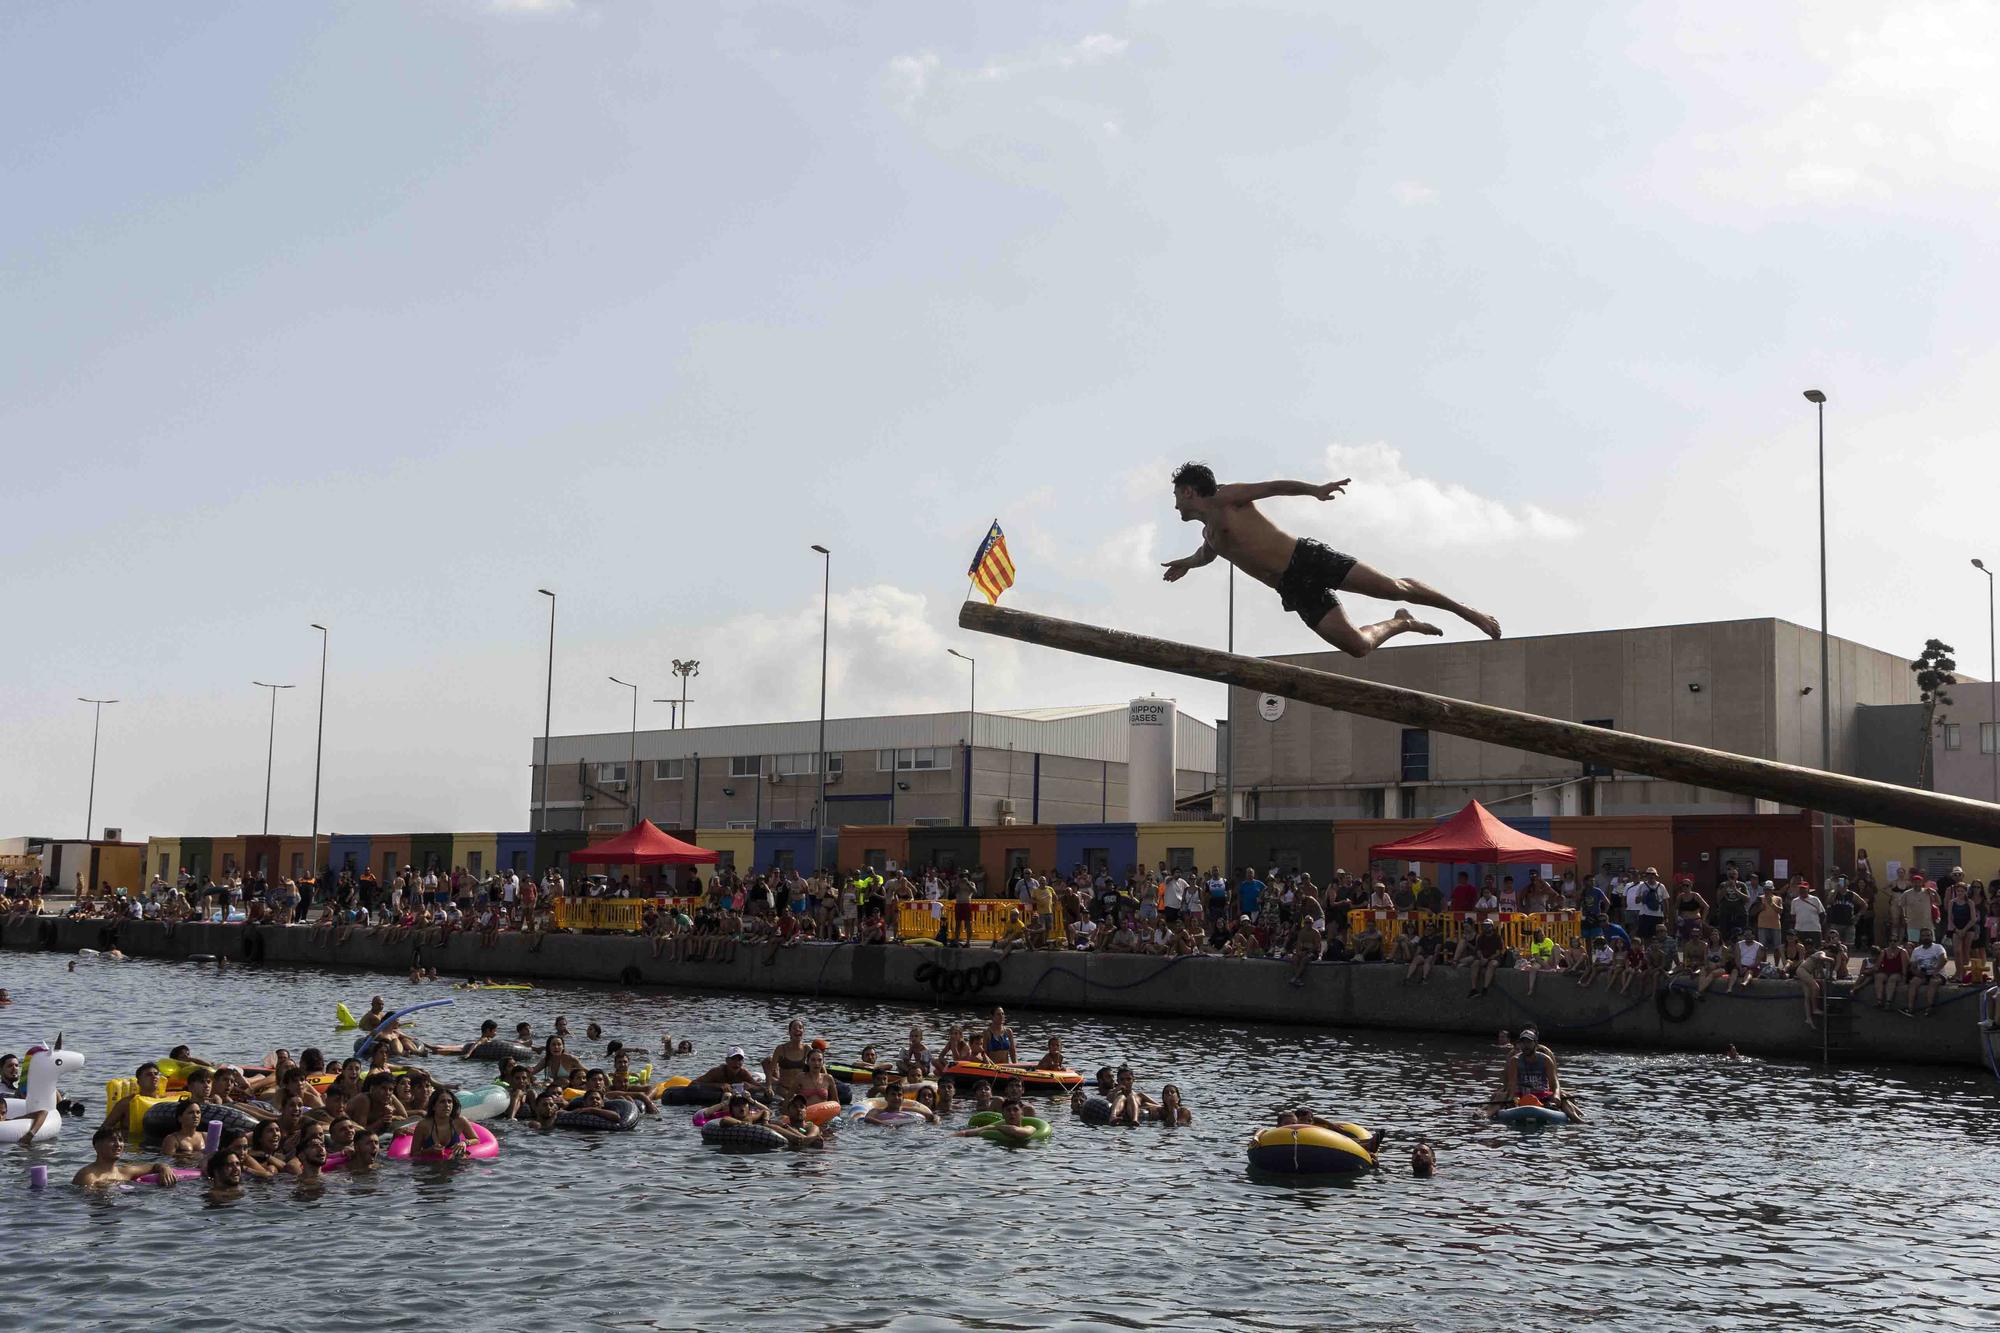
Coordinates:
[1076,733]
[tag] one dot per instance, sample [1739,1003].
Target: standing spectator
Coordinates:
[1842,911]
[1249,894]
[1808,914]
[1173,897]
[1463,893]
[1732,905]
[1918,905]
[1645,905]
[1770,910]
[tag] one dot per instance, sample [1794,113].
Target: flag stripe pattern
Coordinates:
[992,568]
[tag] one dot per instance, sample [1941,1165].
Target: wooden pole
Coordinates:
[1810,788]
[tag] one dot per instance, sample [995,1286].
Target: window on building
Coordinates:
[1180,859]
[1373,799]
[907,761]
[1989,737]
[876,857]
[1286,859]
[1017,859]
[1950,730]
[746,765]
[740,824]
[1613,860]
[163,865]
[611,772]
[1097,858]
[793,765]
[229,863]
[1599,770]
[475,864]
[612,826]
[934,821]
[782,859]
[1749,862]
[518,863]
[669,770]
[787,823]
[388,867]
[725,860]
[298,864]
[1406,802]
[1416,755]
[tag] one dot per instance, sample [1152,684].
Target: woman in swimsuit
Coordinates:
[265,1157]
[188,1137]
[917,1056]
[1691,909]
[998,1040]
[1171,1111]
[557,1062]
[442,1128]
[816,1085]
[592,1104]
[787,1064]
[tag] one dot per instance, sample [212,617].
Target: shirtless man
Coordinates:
[1305,573]
[109,1141]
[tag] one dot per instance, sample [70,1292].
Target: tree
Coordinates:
[1935,668]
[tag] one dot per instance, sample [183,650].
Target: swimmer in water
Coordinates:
[223,1177]
[1172,1110]
[364,1153]
[894,1105]
[148,1078]
[109,1142]
[1423,1161]
[557,1062]
[442,1129]
[1009,1129]
[1531,1072]
[188,1138]
[1053,1057]
[795,1129]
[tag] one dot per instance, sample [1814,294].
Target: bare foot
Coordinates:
[1411,625]
[1484,623]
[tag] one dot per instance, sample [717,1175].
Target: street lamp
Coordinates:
[548,709]
[271,746]
[685,669]
[825,622]
[972,705]
[1992,686]
[97,717]
[1229,750]
[319,742]
[1818,400]
[631,763]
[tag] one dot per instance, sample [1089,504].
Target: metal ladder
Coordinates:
[1836,1021]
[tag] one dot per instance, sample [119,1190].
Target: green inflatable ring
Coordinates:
[1041,1127]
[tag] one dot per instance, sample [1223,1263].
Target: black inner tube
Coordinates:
[1675,1005]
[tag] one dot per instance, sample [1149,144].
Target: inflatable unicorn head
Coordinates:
[43,1066]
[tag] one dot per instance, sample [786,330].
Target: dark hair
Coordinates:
[1198,477]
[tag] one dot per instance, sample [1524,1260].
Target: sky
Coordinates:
[384,316]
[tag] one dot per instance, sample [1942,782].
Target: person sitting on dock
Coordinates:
[1926,969]
[1486,954]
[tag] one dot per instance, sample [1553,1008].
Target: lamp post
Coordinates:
[548,710]
[97,718]
[1818,400]
[684,669]
[1992,685]
[971,718]
[825,623]
[631,763]
[270,746]
[1229,751]
[319,743]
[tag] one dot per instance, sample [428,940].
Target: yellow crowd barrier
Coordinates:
[989,918]
[626,914]
[1516,928]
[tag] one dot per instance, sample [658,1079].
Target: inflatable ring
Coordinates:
[1308,1150]
[627,1111]
[252,949]
[925,972]
[483,1147]
[989,975]
[819,1113]
[485,1102]
[1531,1113]
[631,976]
[49,934]
[1675,1012]
[501,1050]
[990,1120]
[694,1094]
[742,1138]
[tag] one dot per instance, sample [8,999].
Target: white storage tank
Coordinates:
[1151,726]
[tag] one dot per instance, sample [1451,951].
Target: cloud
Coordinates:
[1387,497]
[909,77]
[1411,194]
[915,76]
[1844,103]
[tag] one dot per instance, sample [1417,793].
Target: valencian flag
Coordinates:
[992,568]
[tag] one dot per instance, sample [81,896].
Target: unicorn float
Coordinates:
[44,1064]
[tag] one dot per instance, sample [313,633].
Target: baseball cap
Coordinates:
[736,1053]
[1528,1034]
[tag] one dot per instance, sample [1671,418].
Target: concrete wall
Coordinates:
[1768,1020]
[1923,851]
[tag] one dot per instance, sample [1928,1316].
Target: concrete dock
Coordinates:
[1768,1019]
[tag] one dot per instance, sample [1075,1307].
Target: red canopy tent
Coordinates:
[1474,835]
[646,845]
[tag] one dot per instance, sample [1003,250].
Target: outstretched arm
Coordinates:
[1247,491]
[1176,568]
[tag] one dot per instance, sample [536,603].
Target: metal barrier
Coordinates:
[621,914]
[1515,927]
[929,920]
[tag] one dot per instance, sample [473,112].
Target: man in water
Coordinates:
[1306,574]
[1531,1071]
[109,1141]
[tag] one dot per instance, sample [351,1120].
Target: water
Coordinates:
[1705,1193]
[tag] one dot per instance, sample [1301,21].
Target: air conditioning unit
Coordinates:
[832,776]
[776,777]
[1006,807]
[614,786]
[1006,819]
